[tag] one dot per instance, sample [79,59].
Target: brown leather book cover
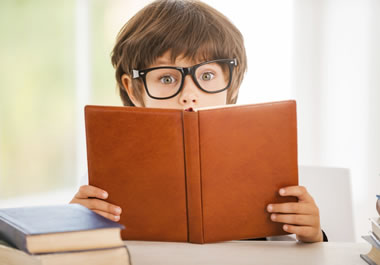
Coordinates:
[197,176]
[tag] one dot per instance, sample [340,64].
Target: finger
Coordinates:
[295,219]
[95,204]
[304,233]
[299,191]
[301,231]
[293,207]
[112,217]
[87,191]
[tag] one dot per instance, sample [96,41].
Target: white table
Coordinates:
[246,252]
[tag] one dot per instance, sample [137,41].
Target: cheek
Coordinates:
[218,98]
[171,103]
[209,100]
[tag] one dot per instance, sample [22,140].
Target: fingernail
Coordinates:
[118,210]
[273,216]
[282,191]
[285,227]
[116,218]
[270,208]
[104,195]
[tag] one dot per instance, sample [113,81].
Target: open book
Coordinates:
[198,176]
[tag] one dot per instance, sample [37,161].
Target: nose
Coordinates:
[190,100]
[189,94]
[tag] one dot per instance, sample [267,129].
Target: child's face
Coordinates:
[190,95]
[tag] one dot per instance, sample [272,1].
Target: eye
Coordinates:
[207,76]
[167,80]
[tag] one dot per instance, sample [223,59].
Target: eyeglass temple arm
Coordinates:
[135,74]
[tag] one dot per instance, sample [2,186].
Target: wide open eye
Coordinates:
[207,76]
[167,80]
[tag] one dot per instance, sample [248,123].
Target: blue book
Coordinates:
[115,256]
[62,228]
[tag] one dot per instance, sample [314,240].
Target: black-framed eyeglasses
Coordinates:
[165,82]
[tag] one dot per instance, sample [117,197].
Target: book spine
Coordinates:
[12,234]
[193,176]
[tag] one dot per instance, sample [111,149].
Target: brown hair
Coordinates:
[189,28]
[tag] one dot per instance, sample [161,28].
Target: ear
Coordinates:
[127,83]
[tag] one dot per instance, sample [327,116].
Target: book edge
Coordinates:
[12,232]
[372,239]
[209,108]
[367,259]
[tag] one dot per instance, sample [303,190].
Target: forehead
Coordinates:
[167,58]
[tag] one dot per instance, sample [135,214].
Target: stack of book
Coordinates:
[373,256]
[55,235]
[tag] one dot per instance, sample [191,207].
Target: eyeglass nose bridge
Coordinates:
[187,71]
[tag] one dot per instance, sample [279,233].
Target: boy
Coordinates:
[183,54]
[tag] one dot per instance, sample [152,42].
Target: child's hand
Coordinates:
[93,198]
[300,218]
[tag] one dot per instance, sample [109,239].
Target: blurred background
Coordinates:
[55,58]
